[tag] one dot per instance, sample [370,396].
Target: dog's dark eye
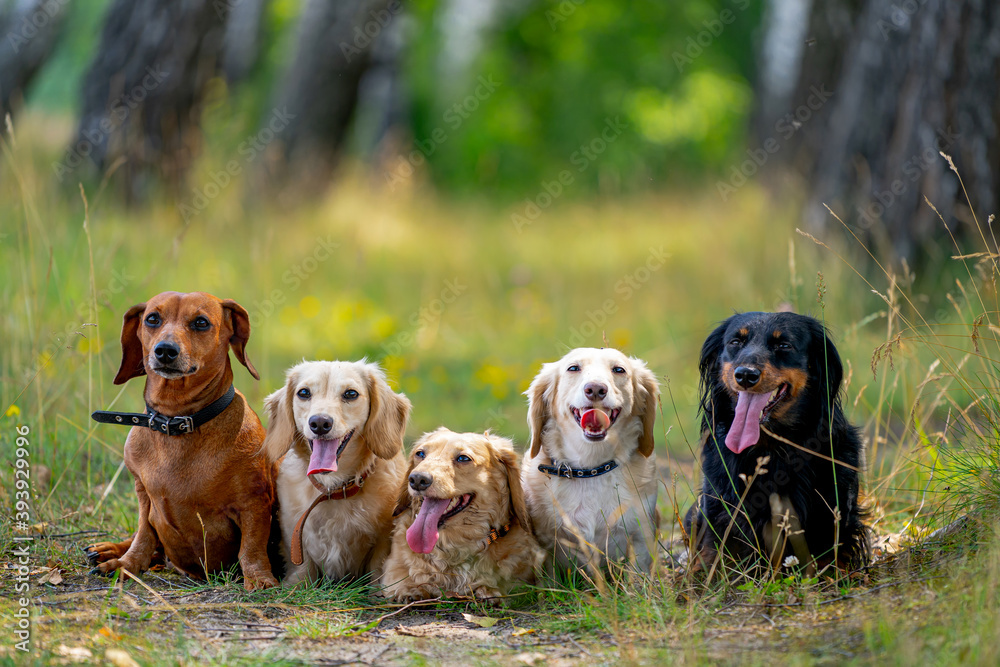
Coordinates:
[783,346]
[574,368]
[419,454]
[736,342]
[304,393]
[200,324]
[350,395]
[462,458]
[153,320]
[617,369]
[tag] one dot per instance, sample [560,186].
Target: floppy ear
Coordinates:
[829,370]
[241,333]
[709,362]
[518,505]
[647,395]
[387,416]
[132,354]
[281,431]
[403,501]
[540,395]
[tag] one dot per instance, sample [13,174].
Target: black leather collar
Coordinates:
[564,470]
[181,425]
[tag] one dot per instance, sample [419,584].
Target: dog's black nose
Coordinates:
[746,377]
[595,391]
[419,481]
[320,424]
[166,352]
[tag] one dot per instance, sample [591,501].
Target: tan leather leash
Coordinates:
[340,493]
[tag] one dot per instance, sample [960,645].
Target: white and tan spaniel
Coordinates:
[340,429]
[590,476]
[462,527]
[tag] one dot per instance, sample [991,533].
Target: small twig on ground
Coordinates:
[74,534]
[577,645]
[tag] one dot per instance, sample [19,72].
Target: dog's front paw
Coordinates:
[259,581]
[415,593]
[109,567]
[103,552]
[487,594]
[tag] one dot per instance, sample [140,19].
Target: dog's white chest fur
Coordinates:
[608,514]
[337,535]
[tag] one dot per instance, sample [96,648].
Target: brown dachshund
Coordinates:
[206,490]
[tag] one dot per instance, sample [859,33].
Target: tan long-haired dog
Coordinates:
[462,526]
[340,429]
[590,475]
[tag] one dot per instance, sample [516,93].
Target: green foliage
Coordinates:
[59,81]
[667,84]
[564,70]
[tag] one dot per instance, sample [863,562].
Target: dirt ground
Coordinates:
[84,618]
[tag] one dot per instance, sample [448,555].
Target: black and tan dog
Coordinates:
[771,418]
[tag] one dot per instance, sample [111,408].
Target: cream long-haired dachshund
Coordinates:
[340,429]
[590,475]
[462,527]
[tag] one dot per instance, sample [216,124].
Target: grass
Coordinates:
[462,309]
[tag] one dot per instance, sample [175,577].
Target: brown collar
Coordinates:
[341,493]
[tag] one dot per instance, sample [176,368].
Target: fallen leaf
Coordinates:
[119,658]
[520,632]
[52,576]
[481,621]
[109,633]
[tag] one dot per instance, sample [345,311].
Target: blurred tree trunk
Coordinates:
[880,87]
[142,94]
[241,43]
[30,30]
[321,87]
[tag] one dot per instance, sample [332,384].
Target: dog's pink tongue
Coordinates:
[324,456]
[595,420]
[745,431]
[422,535]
